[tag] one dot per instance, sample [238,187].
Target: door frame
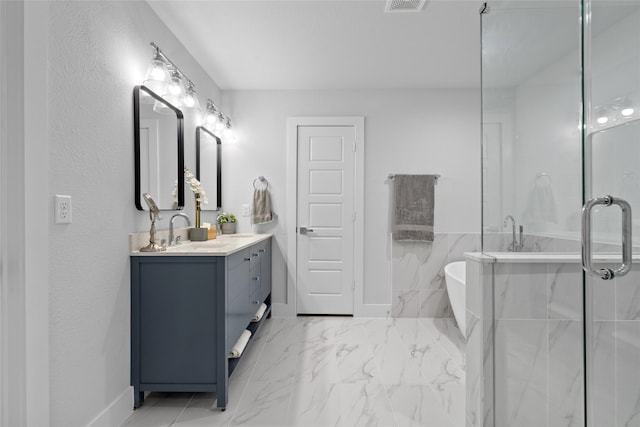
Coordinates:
[289,308]
[24,221]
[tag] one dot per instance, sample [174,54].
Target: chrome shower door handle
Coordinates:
[305,230]
[587,254]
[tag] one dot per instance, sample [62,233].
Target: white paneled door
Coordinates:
[325,219]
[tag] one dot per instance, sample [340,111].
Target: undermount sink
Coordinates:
[198,246]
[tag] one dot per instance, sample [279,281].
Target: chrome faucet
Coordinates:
[514,246]
[173,218]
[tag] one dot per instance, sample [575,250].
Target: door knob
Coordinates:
[305,230]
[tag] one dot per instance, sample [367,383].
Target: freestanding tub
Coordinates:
[455,277]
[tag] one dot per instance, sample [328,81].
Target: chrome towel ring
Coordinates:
[260,183]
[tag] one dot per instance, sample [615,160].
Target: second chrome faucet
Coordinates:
[515,245]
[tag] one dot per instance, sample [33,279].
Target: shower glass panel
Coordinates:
[531,106]
[532,171]
[612,167]
[561,125]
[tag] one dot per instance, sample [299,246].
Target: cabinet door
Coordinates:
[177,321]
[237,302]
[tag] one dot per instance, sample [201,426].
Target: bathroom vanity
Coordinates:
[189,306]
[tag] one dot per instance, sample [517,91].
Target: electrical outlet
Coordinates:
[245,210]
[63,209]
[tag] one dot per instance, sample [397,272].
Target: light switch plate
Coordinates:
[246,211]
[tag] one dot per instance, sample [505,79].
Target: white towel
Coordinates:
[239,346]
[259,313]
[261,207]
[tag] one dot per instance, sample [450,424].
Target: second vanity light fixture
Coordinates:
[218,123]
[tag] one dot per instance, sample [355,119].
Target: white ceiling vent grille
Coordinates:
[404,5]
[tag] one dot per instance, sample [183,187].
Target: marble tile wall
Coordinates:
[419,288]
[537,347]
[535,312]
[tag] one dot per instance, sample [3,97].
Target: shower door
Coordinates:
[561,131]
[611,55]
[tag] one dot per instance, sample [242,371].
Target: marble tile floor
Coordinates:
[333,371]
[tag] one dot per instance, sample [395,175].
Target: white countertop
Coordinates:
[223,245]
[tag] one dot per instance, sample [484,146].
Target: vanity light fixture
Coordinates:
[217,122]
[167,80]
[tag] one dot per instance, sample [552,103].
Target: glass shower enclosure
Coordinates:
[559,296]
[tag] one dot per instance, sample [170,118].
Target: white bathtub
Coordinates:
[455,277]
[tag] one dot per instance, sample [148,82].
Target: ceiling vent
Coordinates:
[404,5]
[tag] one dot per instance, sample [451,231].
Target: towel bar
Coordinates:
[391,176]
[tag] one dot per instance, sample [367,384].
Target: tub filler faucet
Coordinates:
[515,245]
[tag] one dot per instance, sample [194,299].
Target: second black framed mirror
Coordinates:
[209,167]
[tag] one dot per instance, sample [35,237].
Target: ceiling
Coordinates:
[328,44]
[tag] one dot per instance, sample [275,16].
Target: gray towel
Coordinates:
[261,207]
[413,207]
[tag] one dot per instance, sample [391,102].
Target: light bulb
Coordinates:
[158,70]
[602,119]
[626,112]
[189,101]
[156,77]
[210,118]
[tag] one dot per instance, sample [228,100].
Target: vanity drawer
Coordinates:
[238,258]
[237,281]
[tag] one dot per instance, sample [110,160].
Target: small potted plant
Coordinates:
[227,223]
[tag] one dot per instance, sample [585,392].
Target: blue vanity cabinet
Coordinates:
[186,314]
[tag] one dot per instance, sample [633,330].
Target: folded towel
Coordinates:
[261,206]
[413,207]
[259,313]
[239,346]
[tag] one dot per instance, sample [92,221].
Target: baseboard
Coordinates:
[117,412]
[282,310]
[373,310]
[364,310]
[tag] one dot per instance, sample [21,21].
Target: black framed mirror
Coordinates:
[159,150]
[208,167]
